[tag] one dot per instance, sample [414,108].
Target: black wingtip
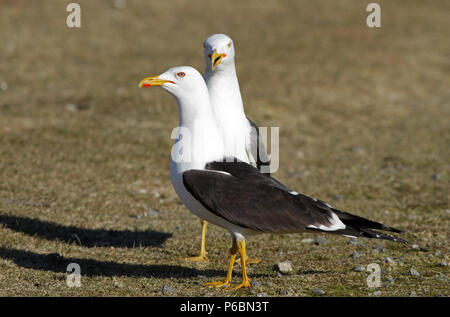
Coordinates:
[364,233]
[363,223]
[378,235]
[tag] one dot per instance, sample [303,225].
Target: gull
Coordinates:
[233,194]
[241,136]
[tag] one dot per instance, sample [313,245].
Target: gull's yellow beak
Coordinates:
[153,81]
[216,58]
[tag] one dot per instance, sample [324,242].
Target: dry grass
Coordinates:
[363,116]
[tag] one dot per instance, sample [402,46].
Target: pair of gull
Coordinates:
[223,172]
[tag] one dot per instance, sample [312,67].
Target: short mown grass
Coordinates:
[363,116]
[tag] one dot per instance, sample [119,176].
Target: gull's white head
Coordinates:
[182,82]
[219,52]
[196,118]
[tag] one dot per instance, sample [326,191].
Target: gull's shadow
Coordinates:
[82,236]
[55,263]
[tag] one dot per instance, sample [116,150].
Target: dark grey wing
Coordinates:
[247,198]
[258,150]
[240,194]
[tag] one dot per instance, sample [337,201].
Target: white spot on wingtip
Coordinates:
[336,224]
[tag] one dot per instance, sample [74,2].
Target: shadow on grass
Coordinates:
[55,263]
[84,237]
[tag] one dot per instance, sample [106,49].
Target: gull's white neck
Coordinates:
[226,102]
[224,91]
[200,139]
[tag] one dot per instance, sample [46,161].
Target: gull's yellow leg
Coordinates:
[202,256]
[227,282]
[245,280]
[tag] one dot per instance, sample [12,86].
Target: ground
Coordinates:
[364,125]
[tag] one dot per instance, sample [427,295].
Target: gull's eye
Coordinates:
[181,74]
[229,45]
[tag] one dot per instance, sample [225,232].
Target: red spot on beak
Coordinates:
[146,85]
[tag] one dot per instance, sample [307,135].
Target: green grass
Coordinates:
[363,116]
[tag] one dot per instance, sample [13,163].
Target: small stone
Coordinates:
[318,291]
[389,280]
[337,197]
[352,241]
[307,240]
[359,268]
[441,276]
[3,85]
[10,46]
[376,293]
[117,283]
[443,263]
[149,212]
[412,217]
[413,271]
[286,292]
[418,247]
[284,267]
[167,290]
[142,191]
[389,260]
[355,255]
[71,107]
[438,253]
[320,240]
[379,248]
[447,211]
[300,154]
[413,294]
[263,294]
[153,212]
[436,177]
[255,283]
[270,284]
[156,194]
[74,107]
[119,4]
[358,150]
